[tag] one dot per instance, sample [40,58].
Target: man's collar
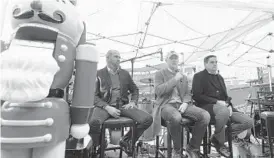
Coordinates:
[211,72]
[171,70]
[113,72]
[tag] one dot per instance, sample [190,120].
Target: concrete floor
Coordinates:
[248,151]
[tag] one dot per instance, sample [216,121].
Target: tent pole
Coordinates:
[269,72]
[132,64]
[183,62]
[270,78]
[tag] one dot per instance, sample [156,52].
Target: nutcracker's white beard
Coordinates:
[26,73]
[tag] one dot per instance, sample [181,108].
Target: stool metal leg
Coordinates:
[205,144]
[157,146]
[263,146]
[230,138]
[182,137]
[209,140]
[102,142]
[268,126]
[122,134]
[169,148]
[270,147]
[133,140]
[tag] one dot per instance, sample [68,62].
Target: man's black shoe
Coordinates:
[193,153]
[126,147]
[221,148]
[97,148]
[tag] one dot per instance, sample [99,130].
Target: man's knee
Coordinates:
[147,121]
[175,119]
[249,123]
[95,125]
[205,117]
[222,113]
[171,116]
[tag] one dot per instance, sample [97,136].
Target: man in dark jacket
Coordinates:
[111,100]
[209,92]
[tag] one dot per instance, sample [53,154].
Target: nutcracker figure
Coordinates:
[47,45]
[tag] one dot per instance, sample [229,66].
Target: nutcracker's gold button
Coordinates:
[61,58]
[64,47]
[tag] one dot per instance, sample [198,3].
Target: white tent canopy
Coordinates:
[238,32]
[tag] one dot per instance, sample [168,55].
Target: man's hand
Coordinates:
[221,102]
[183,107]
[113,111]
[129,105]
[178,76]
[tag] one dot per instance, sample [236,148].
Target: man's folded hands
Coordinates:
[183,107]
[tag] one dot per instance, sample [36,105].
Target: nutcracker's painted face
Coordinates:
[42,50]
[44,19]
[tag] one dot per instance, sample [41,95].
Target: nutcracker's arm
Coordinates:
[84,89]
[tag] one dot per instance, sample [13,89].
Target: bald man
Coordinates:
[111,100]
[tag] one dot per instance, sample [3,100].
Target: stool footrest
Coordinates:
[113,148]
[117,123]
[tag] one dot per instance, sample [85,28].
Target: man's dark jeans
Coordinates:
[171,114]
[99,115]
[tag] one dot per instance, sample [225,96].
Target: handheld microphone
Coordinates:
[178,70]
[228,101]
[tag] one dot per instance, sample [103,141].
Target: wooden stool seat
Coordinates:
[184,123]
[120,122]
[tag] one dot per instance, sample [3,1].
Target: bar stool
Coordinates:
[268,118]
[184,124]
[265,100]
[207,142]
[121,122]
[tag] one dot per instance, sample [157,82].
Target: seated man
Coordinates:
[111,100]
[209,92]
[174,101]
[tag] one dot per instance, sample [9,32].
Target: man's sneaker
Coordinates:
[192,153]
[239,142]
[126,147]
[220,148]
[178,154]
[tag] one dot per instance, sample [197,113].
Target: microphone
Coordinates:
[178,70]
[228,101]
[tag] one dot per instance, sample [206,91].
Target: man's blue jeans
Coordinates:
[239,122]
[99,115]
[171,115]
